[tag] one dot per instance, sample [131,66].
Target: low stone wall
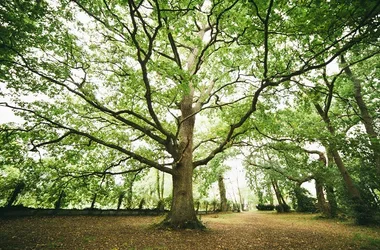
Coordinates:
[6,212]
[25,211]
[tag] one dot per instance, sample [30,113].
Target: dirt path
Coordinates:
[248,230]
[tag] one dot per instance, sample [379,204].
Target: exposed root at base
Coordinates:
[192,224]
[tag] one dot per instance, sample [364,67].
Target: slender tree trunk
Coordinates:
[277,192]
[130,196]
[222,192]
[142,204]
[96,194]
[322,205]
[281,201]
[351,188]
[130,192]
[182,214]
[330,193]
[160,193]
[270,194]
[241,200]
[333,205]
[158,189]
[59,202]
[366,117]
[94,200]
[162,185]
[319,188]
[120,200]
[12,198]
[260,195]
[363,213]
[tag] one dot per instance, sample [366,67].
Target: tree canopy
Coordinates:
[113,87]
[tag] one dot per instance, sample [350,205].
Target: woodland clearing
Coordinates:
[247,230]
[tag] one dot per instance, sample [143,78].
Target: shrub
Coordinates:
[282,208]
[363,212]
[304,203]
[265,207]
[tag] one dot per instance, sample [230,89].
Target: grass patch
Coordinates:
[89,238]
[367,242]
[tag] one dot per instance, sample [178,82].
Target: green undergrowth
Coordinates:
[367,242]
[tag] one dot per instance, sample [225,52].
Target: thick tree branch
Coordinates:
[289,177]
[266,39]
[103,142]
[35,146]
[103,109]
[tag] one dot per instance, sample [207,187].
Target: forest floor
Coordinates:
[247,230]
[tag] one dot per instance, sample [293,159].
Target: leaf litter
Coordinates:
[247,230]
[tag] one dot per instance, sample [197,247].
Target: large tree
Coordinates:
[133,76]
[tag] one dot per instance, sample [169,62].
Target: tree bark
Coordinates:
[281,201]
[322,205]
[158,188]
[241,200]
[330,192]
[222,192]
[59,202]
[130,192]
[270,194]
[19,187]
[182,214]
[333,205]
[93,201]
[162,185]
[351,188]
[277,193]
[120,200]
[366,117]
[363,213]
[130,196]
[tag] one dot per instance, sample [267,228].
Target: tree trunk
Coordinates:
[182,214]
[130,192]
[260,195]
[59,202]
[93,201]
[142,204]
[366,117]
[363,213]
[158,188]
[277,192]
[322,205]
[222,192]
[351,188]
[120,200]
[130,196]
[333,205]
[20,186]
[241,200]
[270,194]
[162,185]
[281,201]
[96,192]
[330,193]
